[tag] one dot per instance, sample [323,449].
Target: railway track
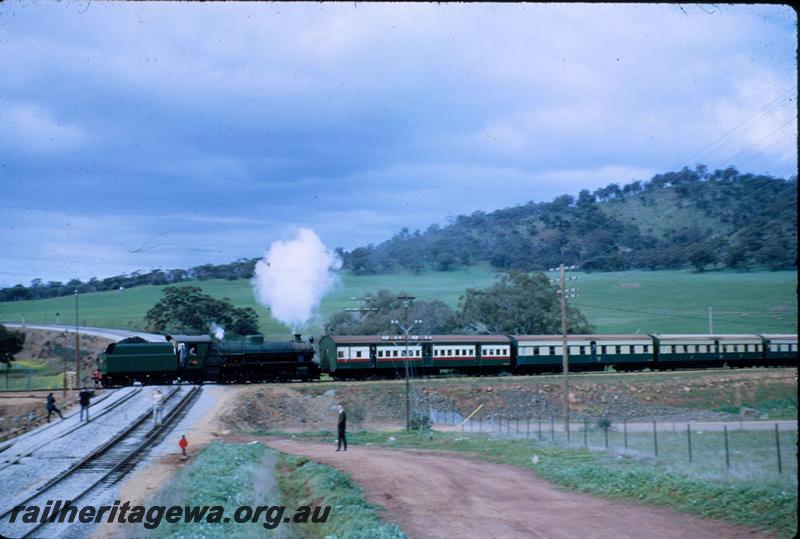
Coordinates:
[101,468]
[20,449]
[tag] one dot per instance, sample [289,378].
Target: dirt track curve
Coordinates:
[445,495]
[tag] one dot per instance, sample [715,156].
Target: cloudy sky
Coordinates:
[139,136]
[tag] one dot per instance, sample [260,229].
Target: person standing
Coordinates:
[342,424]
[158,401]
[85,399]
[183,443]
[51,407]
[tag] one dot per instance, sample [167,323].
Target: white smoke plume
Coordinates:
[294,276]
[218,331]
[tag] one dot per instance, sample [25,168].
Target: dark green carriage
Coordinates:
[358,356]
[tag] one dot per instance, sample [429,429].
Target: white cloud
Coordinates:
[30,128]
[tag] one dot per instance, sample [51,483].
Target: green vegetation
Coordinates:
[305,482]
[232,475]
[519,304]
[690,218]
[616,302]
[30,374]
[750,497]
[11,342]
[226,475]
[188,310]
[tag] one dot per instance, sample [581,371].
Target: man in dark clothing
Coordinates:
[51,407]
[342,428]
[85,397]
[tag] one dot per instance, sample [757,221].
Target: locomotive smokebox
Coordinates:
[297,338]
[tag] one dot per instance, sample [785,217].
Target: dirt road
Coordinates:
[443,494]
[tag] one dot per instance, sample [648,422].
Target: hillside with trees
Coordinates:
[691,218]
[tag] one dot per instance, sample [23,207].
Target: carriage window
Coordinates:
[535,350]
[340,354]
[602,349]
[358,353]
[646,348]
[394,353]
[583,350]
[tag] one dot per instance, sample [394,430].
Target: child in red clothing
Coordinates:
[183,443]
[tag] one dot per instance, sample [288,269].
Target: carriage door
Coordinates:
[427,354]
[373,354]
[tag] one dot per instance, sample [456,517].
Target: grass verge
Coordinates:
[305,482]
[225,475]
[770,506]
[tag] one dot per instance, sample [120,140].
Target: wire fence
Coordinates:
[22,379]
[714,449]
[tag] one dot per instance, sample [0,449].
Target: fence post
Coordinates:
[655,438]
[605,431]
[540,427]
[689,440]
[508,427]
[517,425]
[778,448]
[552,429]
[585,434]
[625,431]
[480,424]
[528,428]
[727,456]
[500,425]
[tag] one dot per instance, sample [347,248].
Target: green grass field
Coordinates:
[616,302]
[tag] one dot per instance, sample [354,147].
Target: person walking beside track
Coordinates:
[182,443]
[85,399]
[51,407]
[158,401]
[342,428]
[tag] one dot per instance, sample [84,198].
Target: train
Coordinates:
[199,359]
[356,357]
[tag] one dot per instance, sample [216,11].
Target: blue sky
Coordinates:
[139,136]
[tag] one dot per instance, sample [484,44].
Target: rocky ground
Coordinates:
[670,396]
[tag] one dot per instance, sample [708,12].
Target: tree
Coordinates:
[187,308]
[11,342]
[436,316]
[520,304]
[701,256]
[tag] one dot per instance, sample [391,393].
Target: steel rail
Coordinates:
[113,441]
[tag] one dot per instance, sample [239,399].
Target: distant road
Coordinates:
[113,334]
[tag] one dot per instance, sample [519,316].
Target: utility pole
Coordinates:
[64,354]
[77,345]
[565,293]
[564,351]
[711,320]
[406,329]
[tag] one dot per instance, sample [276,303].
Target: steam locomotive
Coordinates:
[198,359]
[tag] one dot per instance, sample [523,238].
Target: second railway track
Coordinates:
[101,468]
